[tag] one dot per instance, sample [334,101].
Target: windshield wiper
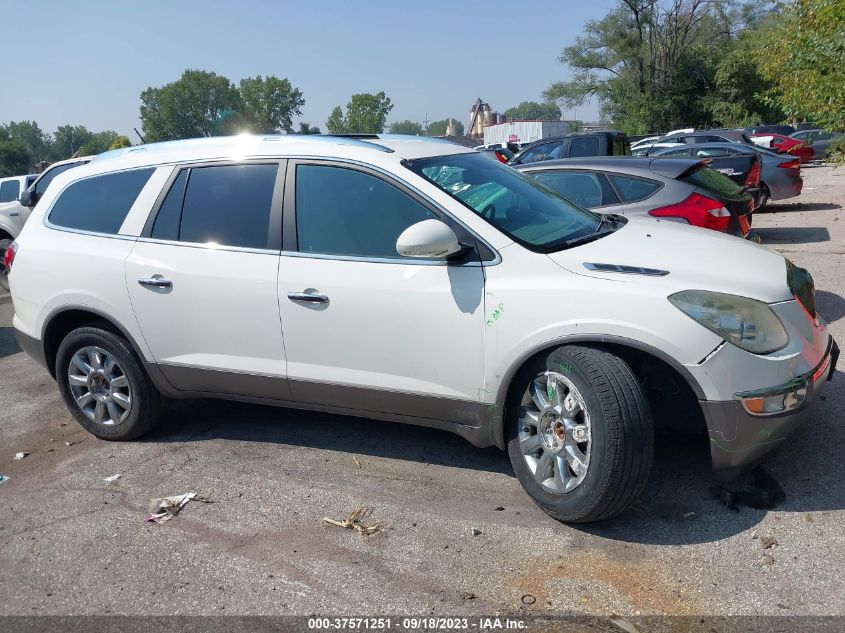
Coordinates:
[604,217]
[573,241]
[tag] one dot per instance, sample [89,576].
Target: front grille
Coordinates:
[800,282]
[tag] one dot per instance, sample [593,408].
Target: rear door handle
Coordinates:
[309,297]
[156,281]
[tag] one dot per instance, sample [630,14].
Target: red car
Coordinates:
[787,145]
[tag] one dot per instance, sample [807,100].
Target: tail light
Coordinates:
[501,156]
[791,164]
[9,256]
[752,179]
[697,210]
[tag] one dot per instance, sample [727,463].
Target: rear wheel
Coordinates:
[581,434]
[104,385]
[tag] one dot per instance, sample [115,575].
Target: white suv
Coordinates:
[412,280]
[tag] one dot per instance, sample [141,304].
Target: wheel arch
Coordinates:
[625,347]
[61,322]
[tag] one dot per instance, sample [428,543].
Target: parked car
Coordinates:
[645,150]
[400,279]
[783,129]
[573,146]
[502,154]
[680,190]
[644,142]
[708,136]
[12,186]
[14,213]
[785,145]
[821,140]
[780,177]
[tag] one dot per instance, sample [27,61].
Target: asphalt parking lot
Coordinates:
[459,535]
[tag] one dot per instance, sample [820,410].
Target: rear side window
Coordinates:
[227,205]
[546,151]
[584,146]
[586,189]
[346,212]
[712,180]
[633,189]
[10,190]
[99,204]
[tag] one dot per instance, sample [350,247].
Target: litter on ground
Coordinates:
[165,508]
[21,455]
[353,522]
[113,477]
[3,479]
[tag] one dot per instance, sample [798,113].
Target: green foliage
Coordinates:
[36,142]
[194,105]
[548,111]
[803,58]
[438,128]
[269,104]
[406,127]
[14,159]
[304,128]
[120,142]
[68,140]
[365,114]
[660,64]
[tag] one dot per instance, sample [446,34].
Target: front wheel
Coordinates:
[580,433]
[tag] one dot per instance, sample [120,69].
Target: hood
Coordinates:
[695,258]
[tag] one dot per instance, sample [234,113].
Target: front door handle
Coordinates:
[156,281]
[310,297]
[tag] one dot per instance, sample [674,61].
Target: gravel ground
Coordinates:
[71,543]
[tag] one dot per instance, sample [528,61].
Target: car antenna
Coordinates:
[139,135]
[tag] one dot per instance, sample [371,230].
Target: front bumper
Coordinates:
[738,438]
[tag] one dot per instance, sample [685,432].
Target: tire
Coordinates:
[106,415]
[764,197]
[4,281]
[614,417]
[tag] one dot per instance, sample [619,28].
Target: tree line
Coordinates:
[656,65]
[24,145]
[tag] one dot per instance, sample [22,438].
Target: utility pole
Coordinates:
[426,122]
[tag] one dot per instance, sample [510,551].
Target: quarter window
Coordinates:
[633,189]
[227,205]
[10,190]
[584,146]
[101,203]
[587,189]
[346,212]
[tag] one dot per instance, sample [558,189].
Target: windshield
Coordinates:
[520,207]
[712,180]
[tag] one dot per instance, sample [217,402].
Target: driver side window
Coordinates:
[346,212]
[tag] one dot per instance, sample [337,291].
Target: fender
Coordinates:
[497,430]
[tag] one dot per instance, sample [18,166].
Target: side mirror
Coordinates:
[429,238]
[28,198]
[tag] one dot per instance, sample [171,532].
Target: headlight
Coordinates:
[747,323]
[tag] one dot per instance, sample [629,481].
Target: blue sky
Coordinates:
[86,62]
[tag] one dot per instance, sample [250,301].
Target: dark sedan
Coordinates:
[679,190]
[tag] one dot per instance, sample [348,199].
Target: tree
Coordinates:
[14,159]
[406,127]
[651,63]
[69,140]
[803,59]
[36,142]
[305,128]
[120,142]
[365,114]
[199,103]
[438,128]
[269,104]
[548,111]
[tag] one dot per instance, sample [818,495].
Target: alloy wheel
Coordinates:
[555,436]
[99,386]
